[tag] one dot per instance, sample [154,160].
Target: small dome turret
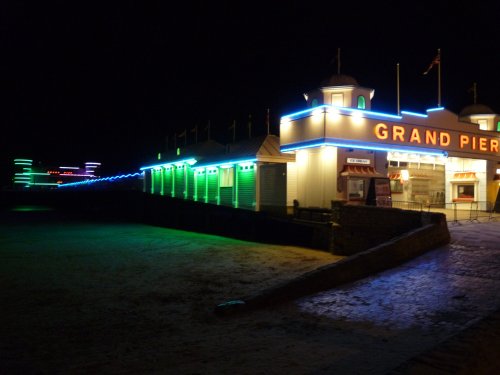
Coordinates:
[476,109]
[340,80]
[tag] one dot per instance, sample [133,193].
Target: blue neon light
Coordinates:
[363,146]
[325,108]
[414,114]
[362,111]
[227,162]
[111,179]
[190,161]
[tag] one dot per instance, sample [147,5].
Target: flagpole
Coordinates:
[439,78]
[267,121]
[234,131]
[397,88]
[249,126]
[338,61]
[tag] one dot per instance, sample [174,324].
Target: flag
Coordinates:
[435,61]
[183,134]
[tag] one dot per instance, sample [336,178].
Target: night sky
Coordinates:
[110,81]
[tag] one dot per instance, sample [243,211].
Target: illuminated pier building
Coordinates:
[336,147]
[433,158]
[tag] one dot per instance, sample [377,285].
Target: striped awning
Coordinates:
[395,176]
[467,176]
[359,170]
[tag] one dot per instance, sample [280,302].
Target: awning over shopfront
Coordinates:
[360,171]
[465,176]
[395,176]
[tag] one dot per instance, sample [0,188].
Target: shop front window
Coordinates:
[396,186]
[465,192]
[356,189]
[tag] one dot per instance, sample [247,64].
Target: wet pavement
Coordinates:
[425,301]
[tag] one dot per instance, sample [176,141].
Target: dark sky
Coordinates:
[109,81]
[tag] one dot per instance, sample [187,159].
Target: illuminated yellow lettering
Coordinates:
[398,132]
[430,137]
[494,145]
[473,143]
[444,139]
[415,136]
[381,131]
[482,144]
[464,140]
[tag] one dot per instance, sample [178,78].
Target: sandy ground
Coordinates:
[80,297]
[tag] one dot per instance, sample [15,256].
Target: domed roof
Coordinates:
[476,109]
[340,80]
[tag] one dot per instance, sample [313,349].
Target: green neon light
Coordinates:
[23,160]
[498,126]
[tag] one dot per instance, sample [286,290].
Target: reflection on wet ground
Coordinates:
[437,294]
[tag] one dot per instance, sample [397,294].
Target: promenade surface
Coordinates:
[428,303]
[84,297]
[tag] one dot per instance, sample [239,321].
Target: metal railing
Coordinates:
[472,211]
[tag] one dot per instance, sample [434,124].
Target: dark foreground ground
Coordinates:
[83,297]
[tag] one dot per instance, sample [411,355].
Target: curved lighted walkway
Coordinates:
[423,302]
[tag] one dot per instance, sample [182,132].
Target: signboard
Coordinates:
[358,161]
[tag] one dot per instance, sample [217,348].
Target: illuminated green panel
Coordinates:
[157,182]
[226,196]
[200,186]
[167,181]
[498,126]
[213,186]
[190,183]
[246,187]
[179,182]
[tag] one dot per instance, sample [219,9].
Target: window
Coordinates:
[465,191]
[356,189]
[396,186]
[483,124]
[226,177]
[361,102]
